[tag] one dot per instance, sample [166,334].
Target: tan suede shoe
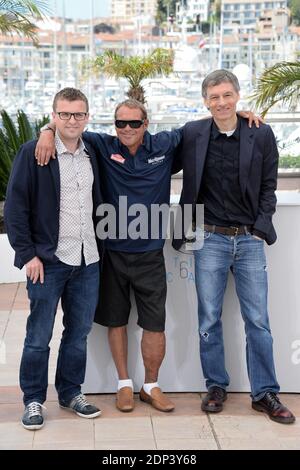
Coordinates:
[124,399]
[157,399]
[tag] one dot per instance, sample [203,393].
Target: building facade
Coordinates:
[126,9]
[244,12]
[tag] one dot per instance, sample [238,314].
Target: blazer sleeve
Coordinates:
[17,208]
[177,138]
[267,197]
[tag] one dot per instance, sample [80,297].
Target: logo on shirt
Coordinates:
[155,160]
[117,158]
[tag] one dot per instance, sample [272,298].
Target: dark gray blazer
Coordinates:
[257,171]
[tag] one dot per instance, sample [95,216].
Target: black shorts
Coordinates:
[145,273]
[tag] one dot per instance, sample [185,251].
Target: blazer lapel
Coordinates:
[54,168]
[202,141]
[246,151]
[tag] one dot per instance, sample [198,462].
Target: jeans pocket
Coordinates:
[257,239]
[206,234]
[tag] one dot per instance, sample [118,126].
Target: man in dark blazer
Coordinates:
[232,170]
[50,216]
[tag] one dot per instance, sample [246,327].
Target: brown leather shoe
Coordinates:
[271,405]
[214,399]
[124,399]
[157,399]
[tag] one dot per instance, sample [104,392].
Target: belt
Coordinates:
[232,231]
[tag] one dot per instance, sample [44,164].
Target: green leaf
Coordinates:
[134,68]
[279,83]
[25,129]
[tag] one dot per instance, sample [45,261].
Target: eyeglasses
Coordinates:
[135,124]
[67,116]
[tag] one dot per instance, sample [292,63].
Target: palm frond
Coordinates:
[10,131]
[11,137]
[17,16]
[25,129]
[280,83]
[36,8]
[134,68]
[40,123]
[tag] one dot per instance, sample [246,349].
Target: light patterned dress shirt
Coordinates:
[76,228]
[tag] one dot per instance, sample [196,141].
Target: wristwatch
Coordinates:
[46,127]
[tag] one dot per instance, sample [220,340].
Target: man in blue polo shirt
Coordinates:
[136,165]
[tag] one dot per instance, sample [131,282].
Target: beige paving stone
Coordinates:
[55,445]
[249,444]
[8,288]
[10,394]
[14,436]
[21,305]
[11,412]
[292,401]
[290,443]
[252,427]
[126,444]
[7,295]
[4,314]
[183,427]
[78,430]
[283,431]
[186,444]
[126,428]
[260,444]
[15,445]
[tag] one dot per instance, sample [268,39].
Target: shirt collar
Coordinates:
[61,148]
[216,134]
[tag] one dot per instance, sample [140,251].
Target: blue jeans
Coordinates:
[78,288]
[245,257]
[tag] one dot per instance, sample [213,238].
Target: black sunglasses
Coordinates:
[135,124]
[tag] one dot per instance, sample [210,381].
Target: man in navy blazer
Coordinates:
[232,170]
[50,216]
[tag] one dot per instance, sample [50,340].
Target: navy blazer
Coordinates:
[257,170]
[31,211]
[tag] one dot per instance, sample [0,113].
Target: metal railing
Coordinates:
[286,127]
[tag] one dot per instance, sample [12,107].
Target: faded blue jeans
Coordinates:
[244,256]
[77,287]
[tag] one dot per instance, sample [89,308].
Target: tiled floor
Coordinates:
[237,427]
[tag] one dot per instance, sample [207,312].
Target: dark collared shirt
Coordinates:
[220,190]
[143,179]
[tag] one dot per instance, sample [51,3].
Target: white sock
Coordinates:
[148,387]
[125,383]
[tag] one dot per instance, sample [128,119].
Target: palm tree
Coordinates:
[12,136]
[278,83]
[134,68]
[16,16]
